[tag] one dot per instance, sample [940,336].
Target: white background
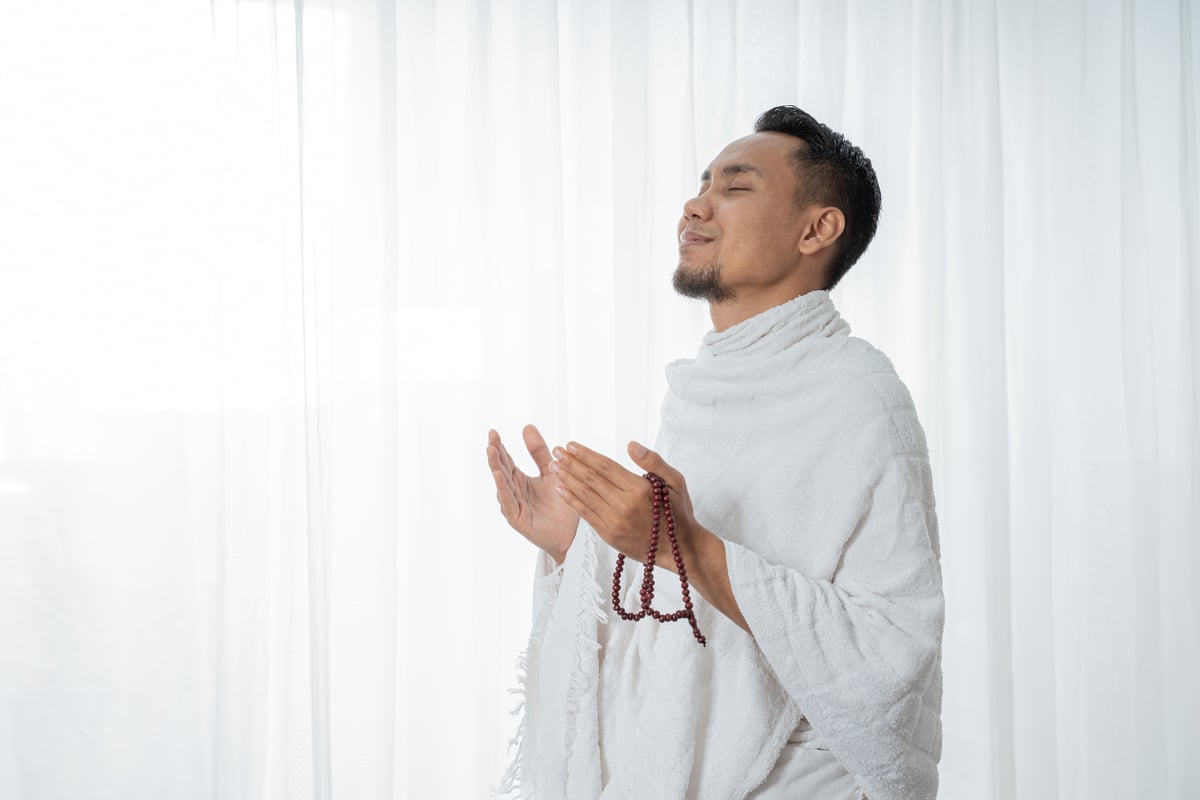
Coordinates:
[270,271]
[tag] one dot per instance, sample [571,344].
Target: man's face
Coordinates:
[739,235]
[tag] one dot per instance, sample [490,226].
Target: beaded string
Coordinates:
[662,510]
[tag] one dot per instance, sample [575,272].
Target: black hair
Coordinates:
[831,171]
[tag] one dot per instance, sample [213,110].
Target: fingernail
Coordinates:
[571,448]
[554,466]
[637,450]
[558,452]
[561,490]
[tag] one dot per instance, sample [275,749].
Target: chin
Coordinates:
[702,282]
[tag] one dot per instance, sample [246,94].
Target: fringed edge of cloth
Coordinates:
[513,778]
[585,671]
[516,777]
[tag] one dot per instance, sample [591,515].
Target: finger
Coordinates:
[502,481]
[651,461]
[505,461]
[504,494]
[507,478]
[536,446]
[583,483]
[502,486]
[494,459]
[498,459]
[581,508]
[600,466]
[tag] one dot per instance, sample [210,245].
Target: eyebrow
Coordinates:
[732,169]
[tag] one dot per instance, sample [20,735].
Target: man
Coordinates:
[806,527]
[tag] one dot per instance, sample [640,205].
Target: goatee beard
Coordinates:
[702,283]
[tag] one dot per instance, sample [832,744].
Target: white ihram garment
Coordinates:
[801,449]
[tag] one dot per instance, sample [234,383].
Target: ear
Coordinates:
[823,227]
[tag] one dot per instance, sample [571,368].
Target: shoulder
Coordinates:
[866,380]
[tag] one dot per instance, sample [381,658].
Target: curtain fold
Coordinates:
[270,270]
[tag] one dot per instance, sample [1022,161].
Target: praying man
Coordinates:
[799,480]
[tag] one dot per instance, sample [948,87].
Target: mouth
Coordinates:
[689,238]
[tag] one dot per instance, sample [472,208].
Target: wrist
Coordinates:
[705,549]
[559,556]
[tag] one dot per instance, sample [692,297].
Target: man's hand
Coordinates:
[530,505]
[619,505]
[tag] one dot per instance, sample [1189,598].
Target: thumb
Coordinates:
[652,462]
[536,446]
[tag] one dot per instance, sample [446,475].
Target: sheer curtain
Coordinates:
[269,271]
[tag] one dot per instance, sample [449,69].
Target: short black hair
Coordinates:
[831,171]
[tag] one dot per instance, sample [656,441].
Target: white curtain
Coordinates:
[270,270]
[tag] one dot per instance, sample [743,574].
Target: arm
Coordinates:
[881,613]
[878,618]
[859,651]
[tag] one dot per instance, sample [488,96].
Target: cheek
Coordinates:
[760,232]
[777,229]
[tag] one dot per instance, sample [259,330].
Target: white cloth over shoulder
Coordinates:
[801,448]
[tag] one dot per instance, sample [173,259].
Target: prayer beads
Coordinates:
[662,510]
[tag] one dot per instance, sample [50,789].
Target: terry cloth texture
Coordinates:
[801,448]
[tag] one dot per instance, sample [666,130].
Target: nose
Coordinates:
[697,207]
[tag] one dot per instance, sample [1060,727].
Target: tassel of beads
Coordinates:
[662,510]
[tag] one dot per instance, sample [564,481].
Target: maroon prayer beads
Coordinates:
[662,510]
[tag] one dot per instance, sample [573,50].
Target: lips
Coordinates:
[690,237]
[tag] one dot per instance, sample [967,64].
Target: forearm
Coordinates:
[708,574]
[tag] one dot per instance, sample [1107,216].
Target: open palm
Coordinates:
[530,504]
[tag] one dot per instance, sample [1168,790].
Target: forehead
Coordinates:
[769,152]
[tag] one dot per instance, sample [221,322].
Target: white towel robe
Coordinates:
[801,448]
